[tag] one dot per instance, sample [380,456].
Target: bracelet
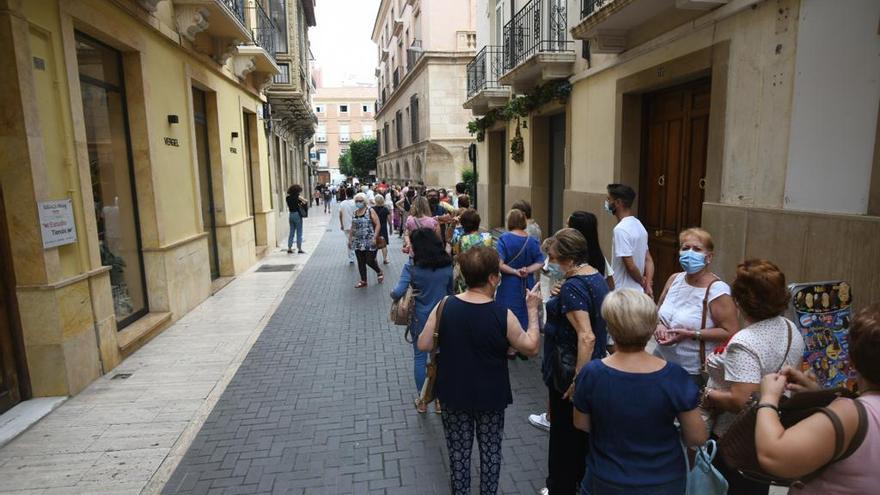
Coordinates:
[767,405]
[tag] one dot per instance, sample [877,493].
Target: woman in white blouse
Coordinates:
[766,344]
[683,336]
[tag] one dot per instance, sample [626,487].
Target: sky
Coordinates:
[341,41]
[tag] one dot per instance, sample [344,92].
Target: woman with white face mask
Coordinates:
[696,311]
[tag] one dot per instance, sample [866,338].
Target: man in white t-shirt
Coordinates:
[346,213]
[632,264]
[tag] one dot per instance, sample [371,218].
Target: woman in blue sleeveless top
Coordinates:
[521,258]
[473,384]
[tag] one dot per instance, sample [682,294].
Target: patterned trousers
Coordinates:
[459,427]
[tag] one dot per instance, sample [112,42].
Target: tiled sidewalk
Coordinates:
[125,436]
[323,402]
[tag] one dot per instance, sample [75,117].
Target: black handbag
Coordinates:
[563,358]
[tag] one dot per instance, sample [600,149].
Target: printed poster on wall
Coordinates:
[823,312]
[56,223]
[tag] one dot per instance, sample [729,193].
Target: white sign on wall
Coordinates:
[56,223]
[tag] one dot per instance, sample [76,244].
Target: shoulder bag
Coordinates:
[562,360]
[737,446]
[303,209]
[428,393]
[704,371]
[402,309]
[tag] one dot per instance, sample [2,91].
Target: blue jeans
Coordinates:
[296,229]
[420,363]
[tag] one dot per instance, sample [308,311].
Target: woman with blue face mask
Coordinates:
[697,313]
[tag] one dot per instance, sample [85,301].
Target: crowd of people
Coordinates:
[633,385]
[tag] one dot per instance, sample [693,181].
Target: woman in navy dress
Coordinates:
[521,258]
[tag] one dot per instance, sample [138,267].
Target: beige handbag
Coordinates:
[402,309]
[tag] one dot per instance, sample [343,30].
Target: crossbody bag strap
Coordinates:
[521,250]
[703,320]
[861,431]
[436,339]
[787,347]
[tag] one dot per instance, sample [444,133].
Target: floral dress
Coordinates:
[363,237]
[463,242]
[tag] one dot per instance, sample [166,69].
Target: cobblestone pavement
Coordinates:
[323,402]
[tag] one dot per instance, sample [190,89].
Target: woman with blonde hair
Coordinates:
[628,403]
[696,309]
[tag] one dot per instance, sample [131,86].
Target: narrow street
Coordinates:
[323,401]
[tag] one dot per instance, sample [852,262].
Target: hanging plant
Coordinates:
[519,107]
[517,146]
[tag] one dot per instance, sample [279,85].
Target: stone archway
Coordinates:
[397,174]
[407,173]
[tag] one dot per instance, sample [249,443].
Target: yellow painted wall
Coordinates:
[163,68]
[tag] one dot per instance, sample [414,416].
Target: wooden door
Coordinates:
[12,374]
[557,172]
[675,137]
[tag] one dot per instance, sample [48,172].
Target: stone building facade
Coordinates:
[423,47]
[345,114]
[135,174]
[740,116]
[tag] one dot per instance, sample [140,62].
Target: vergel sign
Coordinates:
[56,223]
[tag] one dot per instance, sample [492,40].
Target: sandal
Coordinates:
[385,262]
[421,407]
[381,278]
[360,285]
[437,408]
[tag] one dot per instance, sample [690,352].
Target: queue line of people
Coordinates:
[612,416]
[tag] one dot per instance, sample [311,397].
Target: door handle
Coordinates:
[703,183]
[661,181]
[658,233]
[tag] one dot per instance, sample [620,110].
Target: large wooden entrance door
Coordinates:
[675,137]
[557,171]
[12,374]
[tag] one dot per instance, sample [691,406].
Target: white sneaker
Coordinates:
[539,421]
[544,491]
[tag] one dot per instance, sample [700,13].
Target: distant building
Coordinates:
[424,46]
[344,115]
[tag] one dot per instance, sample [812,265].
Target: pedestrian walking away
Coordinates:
[346,211]
[430,276]
[298,209]
[328,196]
[384,215]
[631,261]
[363,238]
[473,335]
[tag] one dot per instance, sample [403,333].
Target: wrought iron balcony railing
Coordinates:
[264,31]
[540,26]
[485,69]
[236,7]
[413,54]
[590,7]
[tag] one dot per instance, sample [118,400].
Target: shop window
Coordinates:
[106,123]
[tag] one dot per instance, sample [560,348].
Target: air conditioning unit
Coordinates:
[344,139]
[321,139]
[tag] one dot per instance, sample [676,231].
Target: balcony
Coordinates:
[384,54]
[214,26]
[344,139]
[607,23]
[536,46]
[397,27]
[484,91]
[414,54]
[320,139]
[258,56]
